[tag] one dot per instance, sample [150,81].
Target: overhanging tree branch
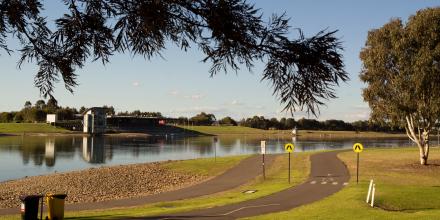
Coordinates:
[231,33]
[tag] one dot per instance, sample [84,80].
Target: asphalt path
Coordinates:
[245,171]
[328,175]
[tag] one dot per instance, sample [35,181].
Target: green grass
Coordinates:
[30,128]
[346,134]
[205,166]
[239,130]
[404,189]
[222,130]
[276,180]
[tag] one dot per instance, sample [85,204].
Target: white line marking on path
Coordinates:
[313,182]
[345,184]
[323,182]
[247,207]
[335,183]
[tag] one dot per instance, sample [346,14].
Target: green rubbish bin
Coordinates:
[29,206]
[55,206]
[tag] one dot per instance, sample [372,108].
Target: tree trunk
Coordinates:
[425,141]
[423,158]
[421,139]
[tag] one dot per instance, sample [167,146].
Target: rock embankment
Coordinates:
[99,184]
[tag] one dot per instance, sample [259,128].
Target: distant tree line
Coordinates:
[138,113]
[38,111]
[31,113]
[312,124]
[261,122]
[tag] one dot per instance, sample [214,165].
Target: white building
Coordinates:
[295,132]
[51,118]
[95,121]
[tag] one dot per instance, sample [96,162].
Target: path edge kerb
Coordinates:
[208,186]
[322,164]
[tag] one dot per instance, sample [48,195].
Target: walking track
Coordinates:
[244,172]
[328,175]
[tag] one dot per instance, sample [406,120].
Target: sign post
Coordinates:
[357,148]
[289,149]
[215,149]
[263,152]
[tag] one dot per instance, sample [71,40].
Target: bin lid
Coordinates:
[24,198]
[59,196]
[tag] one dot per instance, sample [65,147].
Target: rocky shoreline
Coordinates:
[99,184]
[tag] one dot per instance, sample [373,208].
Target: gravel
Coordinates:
[99,184]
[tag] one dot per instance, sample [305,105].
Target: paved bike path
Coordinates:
[328,175]
[245,171]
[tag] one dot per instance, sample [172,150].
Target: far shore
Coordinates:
[282,134]
[76,134]
[32,129]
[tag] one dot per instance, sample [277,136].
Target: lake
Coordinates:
[22,156]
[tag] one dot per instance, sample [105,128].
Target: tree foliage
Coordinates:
[402,71]
[203,119]
[231,34]
[227,121]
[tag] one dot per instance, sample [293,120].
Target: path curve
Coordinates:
[245,171]
[328,175]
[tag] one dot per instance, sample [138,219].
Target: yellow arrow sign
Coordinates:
[289,147]
[358,147]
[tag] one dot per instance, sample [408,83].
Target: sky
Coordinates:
[179,84]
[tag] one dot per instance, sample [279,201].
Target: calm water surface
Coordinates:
[31,156]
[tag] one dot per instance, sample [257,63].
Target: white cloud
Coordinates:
[177,93]
[136,84]
[195,96]
[174,93]
[191,111]
[362,106]
[236,103]
[361,115]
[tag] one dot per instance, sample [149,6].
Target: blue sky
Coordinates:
[179,85]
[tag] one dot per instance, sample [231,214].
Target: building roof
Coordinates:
[94,109]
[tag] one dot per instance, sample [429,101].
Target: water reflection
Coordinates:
[93,149]
[26,156]
[49,154]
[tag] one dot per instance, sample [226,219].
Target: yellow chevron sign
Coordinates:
[358,147]
[289,147]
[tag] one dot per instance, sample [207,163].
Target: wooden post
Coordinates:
[263,152]
[372,195]
[289,167]
[357,169]
[264,169]
[369,191]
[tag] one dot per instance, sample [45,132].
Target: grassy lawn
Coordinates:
[30,128]
[222,130]
[236,130]
[404,189]
[346,134]
[205,166]
[276,180]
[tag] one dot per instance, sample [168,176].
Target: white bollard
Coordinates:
[369,191]
[372,195]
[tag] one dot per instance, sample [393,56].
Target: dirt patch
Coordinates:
[99,184]
[433,166]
